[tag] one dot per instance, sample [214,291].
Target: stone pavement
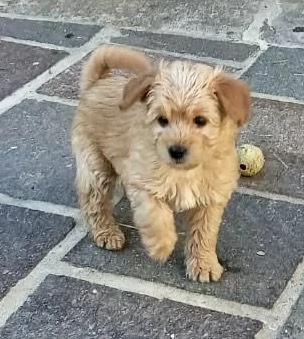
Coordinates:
[54,283]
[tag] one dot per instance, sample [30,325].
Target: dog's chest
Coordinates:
[184,193]
[183,198]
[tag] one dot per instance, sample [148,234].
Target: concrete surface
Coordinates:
[224,18]
[26,237]
[250,278]
[187,45]
[279,71]
[294,326]
[277,127]
[91,311]
[54,282]
[36,153]
[22,63]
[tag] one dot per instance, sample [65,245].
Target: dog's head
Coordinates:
[191,108]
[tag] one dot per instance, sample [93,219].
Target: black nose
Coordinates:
[177,152]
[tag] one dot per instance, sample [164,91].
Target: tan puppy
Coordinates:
[169,135]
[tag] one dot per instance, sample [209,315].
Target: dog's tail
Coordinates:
[108,57]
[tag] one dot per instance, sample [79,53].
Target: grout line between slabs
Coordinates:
[47,19]
[38,44]
[270,196]
[250,62]
[42,206]
[191,34]
[49,207]
[53,98]
[67,211]
[290,45]
[103,36]
[162,291]
[164,53]
[276,98]
[74,102]
[284,304]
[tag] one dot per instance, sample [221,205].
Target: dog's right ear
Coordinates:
[136,89]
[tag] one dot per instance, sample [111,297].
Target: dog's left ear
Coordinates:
[136,89]
[234,98]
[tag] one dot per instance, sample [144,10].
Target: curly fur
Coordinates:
[117,135]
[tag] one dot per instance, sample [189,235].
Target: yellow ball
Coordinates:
[251,160]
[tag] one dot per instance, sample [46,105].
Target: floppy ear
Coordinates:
[234,98]
[136,89]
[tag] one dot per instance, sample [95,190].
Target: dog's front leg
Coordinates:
[202,232]
[155,223]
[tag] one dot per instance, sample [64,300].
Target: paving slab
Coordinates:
[35,154]
[287,27]
[57,33]
[63,307]
[277,128]
[200,47]
[217,17]
[26,237]
[278,71]
[294,327]
[251,226]
[22,63]
[65,84]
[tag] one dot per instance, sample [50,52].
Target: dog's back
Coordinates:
[100,122]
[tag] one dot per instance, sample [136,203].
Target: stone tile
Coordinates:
[276,127]
[287,27]
[66,83]
[187,45]
[63,307]
[26,237]
[35,155]
[57,33]
[213,17]
[278,71]
[250,225]
[21,63]
[294,327]
[157,56]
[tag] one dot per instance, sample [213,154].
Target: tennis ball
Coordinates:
[251,160]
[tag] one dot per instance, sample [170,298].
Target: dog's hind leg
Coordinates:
[95,183]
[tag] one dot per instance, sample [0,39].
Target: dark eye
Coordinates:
[163,121]
[200,121]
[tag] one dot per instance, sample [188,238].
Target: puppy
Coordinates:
[169,135]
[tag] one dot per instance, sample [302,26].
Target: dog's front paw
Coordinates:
[160,249]
[204,269]
[111,239]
